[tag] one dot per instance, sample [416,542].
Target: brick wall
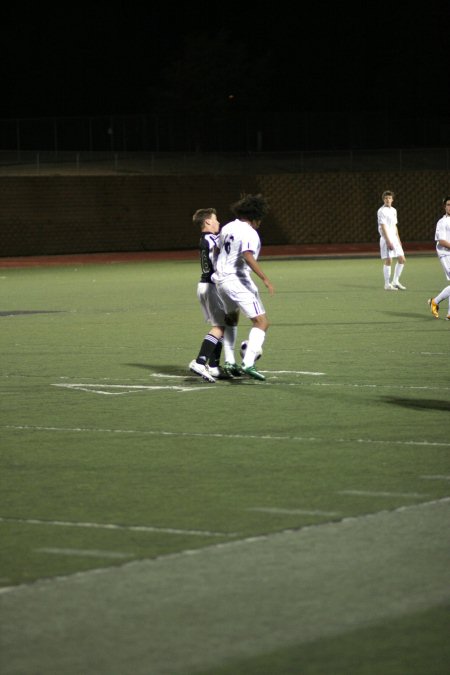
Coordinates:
[48,215]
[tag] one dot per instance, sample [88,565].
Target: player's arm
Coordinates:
[386,236]
[444,242]
[256,268]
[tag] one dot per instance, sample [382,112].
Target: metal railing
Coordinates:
[221,163]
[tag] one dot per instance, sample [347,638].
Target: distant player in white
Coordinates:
[390,244]
[442,238]
[239,247]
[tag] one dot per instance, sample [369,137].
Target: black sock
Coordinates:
[206,350]
[215,358]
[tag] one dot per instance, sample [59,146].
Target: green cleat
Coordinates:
[252,372]
[232,369]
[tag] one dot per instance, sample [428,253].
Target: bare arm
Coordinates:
[388,241]
[255,267]
[444,242]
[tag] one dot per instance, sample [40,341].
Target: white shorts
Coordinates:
[386,252]
[211,304]
[241,294]
[445,262]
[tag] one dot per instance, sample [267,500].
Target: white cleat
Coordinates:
[399,286]
[201,370]
[390,287]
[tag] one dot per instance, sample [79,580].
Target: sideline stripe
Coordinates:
[112,526]
[196,434]
[365,517]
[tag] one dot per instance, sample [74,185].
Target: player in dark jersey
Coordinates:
[223,328]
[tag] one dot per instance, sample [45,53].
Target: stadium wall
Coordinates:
[50,215]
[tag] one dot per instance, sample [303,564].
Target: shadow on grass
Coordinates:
[171,370]
[168,369]
[422,403]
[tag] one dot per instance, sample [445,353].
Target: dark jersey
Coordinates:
[207,244]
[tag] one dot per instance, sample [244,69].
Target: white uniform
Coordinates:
[443,232]
[387,216]
[233,276]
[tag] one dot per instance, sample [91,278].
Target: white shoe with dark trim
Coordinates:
[201,370]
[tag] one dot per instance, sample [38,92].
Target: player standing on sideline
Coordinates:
[442,238]
[207,362]
[390,244]
[239,246]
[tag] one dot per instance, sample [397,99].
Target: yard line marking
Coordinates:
[293,372]
[198,434]
[272,382]
[113,526]
[367,493]
[435,477]
[85,552]
[129,388]
[294,512]
[286,372]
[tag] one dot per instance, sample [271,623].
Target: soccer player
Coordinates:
[223,328]
[390,244]
[239,247]
[442,238]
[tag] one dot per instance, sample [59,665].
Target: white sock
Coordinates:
[229,341]
[256,339]
[397,272]
[387,274]
[445,293]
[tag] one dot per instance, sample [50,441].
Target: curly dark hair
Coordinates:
[250,207]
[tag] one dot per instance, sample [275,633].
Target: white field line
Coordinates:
[368,493]
[113,526]
[127,388]
[288,372]
[236,542]
[84,553]
[196,434]
[300,512]
[105,388]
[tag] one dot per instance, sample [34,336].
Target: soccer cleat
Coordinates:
[447,318]
[200,369]
[232,369]
[252,372]
[390,287]
[434,308]
[399,286]
[219,373]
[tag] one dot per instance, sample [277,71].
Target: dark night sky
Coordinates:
[111,58]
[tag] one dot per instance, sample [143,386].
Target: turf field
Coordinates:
[152,523]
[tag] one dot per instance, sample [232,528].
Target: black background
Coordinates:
[117,58]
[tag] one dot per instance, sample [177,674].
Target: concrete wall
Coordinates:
[48,215]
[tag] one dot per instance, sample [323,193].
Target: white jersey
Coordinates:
[442,232]
[387,216]
[234,239]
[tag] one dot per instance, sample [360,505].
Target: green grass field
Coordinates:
[152,523]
